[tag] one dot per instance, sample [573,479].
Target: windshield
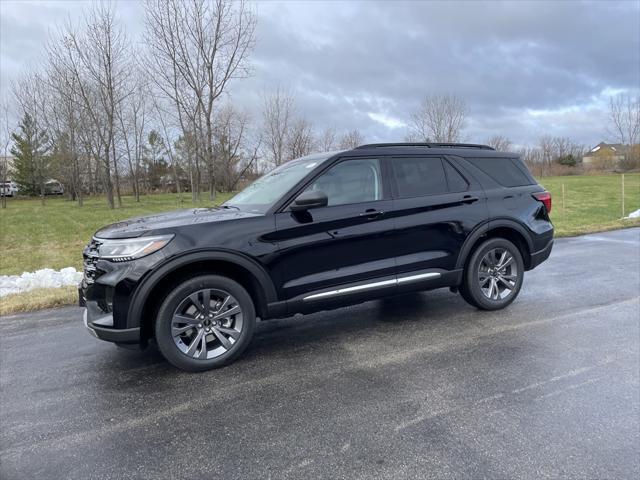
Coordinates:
[268,189]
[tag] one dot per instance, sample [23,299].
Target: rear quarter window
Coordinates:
[506,171]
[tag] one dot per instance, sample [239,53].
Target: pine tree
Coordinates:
[31,163]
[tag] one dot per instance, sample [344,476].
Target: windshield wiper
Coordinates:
[230,206]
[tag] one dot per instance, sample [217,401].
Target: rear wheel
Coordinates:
[494,275]
[204,323]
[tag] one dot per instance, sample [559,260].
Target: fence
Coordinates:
[582,202]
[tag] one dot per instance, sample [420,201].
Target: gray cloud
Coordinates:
[524,68]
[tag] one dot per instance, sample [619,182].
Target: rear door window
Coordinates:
[418,176]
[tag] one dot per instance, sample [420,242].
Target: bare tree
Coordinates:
[624,114]
[277,118]
[230,138]
[185,152]
[64,122]
[531,157]
[546,153]
[300,141]
[499,142]
[440,118]
[169,141]
[197,48]
[550,150]
[351,140]
[5,141]
[89,150]
[132,121]
[98,57]
[565,148]
[327,139]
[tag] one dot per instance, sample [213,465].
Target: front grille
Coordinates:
[90,256]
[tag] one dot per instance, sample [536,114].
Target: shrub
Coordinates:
[568,160]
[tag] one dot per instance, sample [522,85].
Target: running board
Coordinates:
[369,286]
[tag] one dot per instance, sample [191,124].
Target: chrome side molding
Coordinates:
[420,276]
[357,288]
[369,286]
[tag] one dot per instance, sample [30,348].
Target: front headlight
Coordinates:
[126,249]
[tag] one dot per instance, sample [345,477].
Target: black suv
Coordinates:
[317,233]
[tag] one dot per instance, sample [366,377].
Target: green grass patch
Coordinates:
[33,236]
[592,203]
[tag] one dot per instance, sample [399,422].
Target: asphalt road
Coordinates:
[421,386]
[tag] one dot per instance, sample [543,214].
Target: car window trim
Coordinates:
[459,173]
[283,205]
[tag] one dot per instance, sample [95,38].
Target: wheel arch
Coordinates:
[247,272]
[501,228]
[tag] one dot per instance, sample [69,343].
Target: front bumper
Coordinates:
[100,324]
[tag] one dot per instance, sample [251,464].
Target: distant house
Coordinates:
[614,153]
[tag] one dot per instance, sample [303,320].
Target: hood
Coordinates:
[138,226]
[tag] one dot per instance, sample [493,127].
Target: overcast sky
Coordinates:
[524,69]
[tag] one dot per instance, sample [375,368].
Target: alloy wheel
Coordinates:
[497,274]
[207,324]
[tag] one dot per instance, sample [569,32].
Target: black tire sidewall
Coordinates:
[471,284]
[464,292]
[162,327]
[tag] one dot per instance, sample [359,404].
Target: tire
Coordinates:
[192,331]
[487,284]
[466,295]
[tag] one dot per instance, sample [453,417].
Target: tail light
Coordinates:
[544,197]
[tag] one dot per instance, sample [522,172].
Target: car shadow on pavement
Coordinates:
[297,337]
[387,316]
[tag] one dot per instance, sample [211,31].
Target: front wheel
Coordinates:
[494,275]
[204,323]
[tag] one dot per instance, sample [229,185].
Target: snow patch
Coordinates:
[45,278]
[635,214]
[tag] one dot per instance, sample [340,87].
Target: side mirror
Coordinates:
[309,199]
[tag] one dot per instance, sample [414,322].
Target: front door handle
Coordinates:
[469,199]
[371,213]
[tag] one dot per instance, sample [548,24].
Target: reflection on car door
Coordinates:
[435,207]
[348,242]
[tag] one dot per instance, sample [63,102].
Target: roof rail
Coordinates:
[425,144]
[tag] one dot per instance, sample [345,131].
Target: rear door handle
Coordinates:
[469,199]
[371,213]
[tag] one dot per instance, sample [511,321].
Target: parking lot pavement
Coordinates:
[420,386]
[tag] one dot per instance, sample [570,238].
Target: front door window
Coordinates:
[351,181]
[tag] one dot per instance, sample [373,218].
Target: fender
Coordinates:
[484,228]
[141,293]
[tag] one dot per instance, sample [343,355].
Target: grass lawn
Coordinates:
[38,300]
[33,236]
[592,203]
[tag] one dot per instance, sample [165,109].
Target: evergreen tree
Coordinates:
[31,163]
[569,160]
